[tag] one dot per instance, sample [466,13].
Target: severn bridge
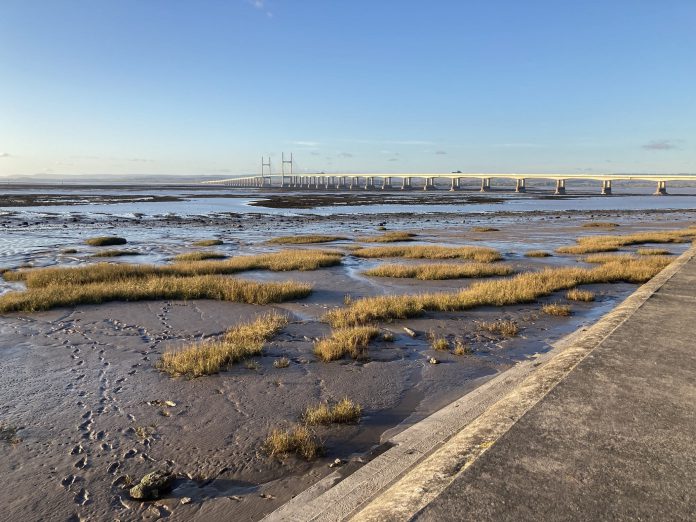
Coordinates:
[427,181]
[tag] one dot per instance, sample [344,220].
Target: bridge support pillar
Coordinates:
[369,183]
[429,184]
[521,185]
[606,187]
[386,183]
[455,184]
[406,184]
[661,188]
[485,184]
[354,183]
[560,187]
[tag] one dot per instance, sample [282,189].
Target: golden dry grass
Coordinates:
[522,288]
[304,240]
[537,253]
[108,272]
[299,440]
[557,309]
[198,256]
[592,244]
[211,356]
[343,412]
[438,342]
[115,253]
[504,327]
[480,254]
[460,348]
[576,294]
[485,229]
[653,252]
[600,224]
[207,242]
[283,362]
[426,272]
[152,288]
[388,237]
[351,341]
[105,241]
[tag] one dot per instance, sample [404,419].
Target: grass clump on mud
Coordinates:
[299,440]
[600,224]
[8,433]
[653,252]
[437,342]
[351,341]
[576,294]
[427,272]
[592,244]
[485,229]
[343,412]
[207,242]
[537,253]
[284,260]
[388,237]
[504,327]
[105,241]
[522,288]
[304,240]
[480,254]
[115,253]
[152,288]
[208,357]
[199,256]
[556,309]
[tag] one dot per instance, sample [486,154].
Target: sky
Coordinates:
[207,87]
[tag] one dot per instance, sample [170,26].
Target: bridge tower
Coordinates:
[265,164]
[283,173]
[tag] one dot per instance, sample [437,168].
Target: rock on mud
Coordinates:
[152,486]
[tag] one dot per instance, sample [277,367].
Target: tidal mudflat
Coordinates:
[88,405]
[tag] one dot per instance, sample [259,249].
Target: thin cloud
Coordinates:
[306,143]
[345,155]
[440,152]
[660,145]
[393,159]
[5,155]
[519,145]
[261,6]
[390,142]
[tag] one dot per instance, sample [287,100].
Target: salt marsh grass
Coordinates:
[115,253]
[653,252]
[343,412]
[351,341]
[207,242]
[600,224]
[537,253]
[299,440]
[504,327]
[199,256]
[303,240]
[208,357]
[592,244]
[389,237]
[557,309]
[522,288]
[485,229]
[426,272]
[151,288]
[480,254]
[576,294]
[106,241]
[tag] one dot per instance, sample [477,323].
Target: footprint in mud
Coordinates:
[118,390]
[107,446]
[81,464]
[82,497]
[113,468]
[68,481]
[120,380]
[130,453]
[101,435]
[130,417]
[77,450]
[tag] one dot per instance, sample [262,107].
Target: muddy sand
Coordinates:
[82,387]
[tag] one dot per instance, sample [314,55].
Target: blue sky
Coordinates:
[208,86]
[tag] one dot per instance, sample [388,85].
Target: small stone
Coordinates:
[186,500]
[410,332]
[433,360]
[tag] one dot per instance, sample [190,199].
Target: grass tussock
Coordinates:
[389,237]
[460,348]
[343,412]
[427,272]
[106,241]
[304,240]
[209,357]
[593,244]
[198,256]
[108,272]
[485,229]
[437,342]
[522,288]
[351,341]
[115,253]
[8,433]
[299,440]
[537,253]
[653,252]
[283,362]
[600,224]
[576,294]
[504,327]
[207,242]
[480,254]
[152,288]
[556,309]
